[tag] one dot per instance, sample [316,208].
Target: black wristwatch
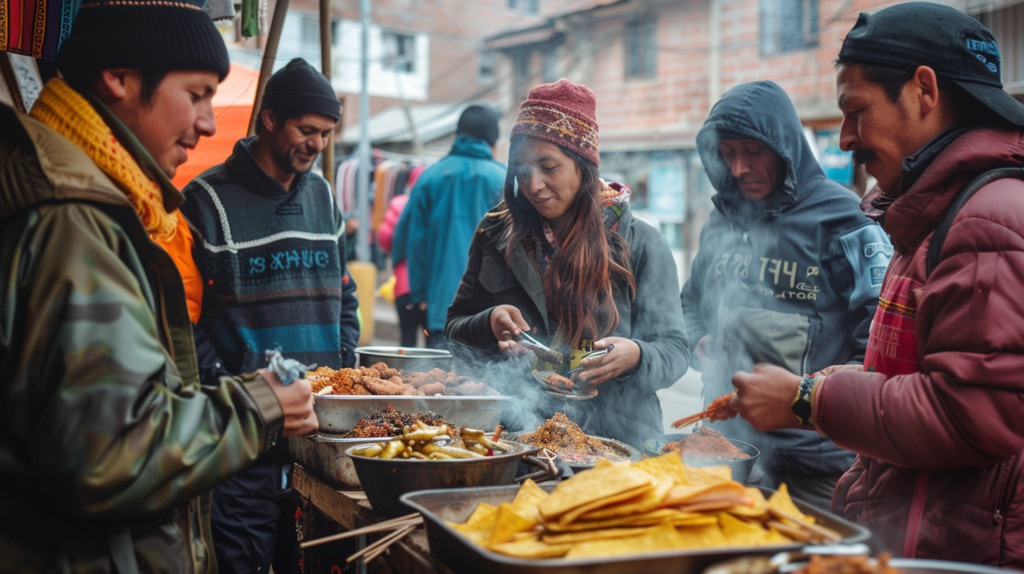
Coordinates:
[802,403]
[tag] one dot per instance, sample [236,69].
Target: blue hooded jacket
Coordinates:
[792,281]
[438,223]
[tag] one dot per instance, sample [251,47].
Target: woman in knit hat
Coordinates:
[563,257]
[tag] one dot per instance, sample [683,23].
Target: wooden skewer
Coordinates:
[371,529]
[793,532]
[382,543]
[819,531]
[381,550]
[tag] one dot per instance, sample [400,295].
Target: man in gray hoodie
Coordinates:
[787,273]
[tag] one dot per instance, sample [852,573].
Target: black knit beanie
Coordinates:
[145,34]
[299,88]
[478,122]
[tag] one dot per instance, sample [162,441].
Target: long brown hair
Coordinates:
[591,260]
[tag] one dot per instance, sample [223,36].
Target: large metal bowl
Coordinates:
[405,359]
[741,467]
[340,413]
[626,451]
[386,480]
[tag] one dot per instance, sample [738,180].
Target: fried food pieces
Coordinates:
[383,380]
[565,438]
[653,505]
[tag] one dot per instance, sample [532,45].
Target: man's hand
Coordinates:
[764,397]
[423,306]
[622,358]
[296,401]
[507,318]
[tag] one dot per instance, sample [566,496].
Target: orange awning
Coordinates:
[232,106]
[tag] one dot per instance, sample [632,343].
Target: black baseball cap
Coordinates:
[945,39]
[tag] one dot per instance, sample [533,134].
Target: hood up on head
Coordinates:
[761,111]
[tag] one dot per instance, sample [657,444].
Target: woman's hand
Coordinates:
[625,356]
[507,318]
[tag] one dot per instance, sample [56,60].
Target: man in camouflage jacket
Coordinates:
[109,444]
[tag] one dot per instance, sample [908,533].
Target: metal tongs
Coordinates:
[543,352]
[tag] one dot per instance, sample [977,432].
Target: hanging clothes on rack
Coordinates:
[37,28]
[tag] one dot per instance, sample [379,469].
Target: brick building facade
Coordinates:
[657,66]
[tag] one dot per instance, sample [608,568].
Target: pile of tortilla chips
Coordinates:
[655,504]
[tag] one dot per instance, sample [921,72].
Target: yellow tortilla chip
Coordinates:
[508,522]
[697,520]
[528,497]
[758,507]
[588,535]
[531,548]
[651,518]
[681,494]
[480,525]
[575,513]
[664,466]
[741,533]
[783,503]
[776,537]
[660,538]
[644,502]
[705,536]
[590,486]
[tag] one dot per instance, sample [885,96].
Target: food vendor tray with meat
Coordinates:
[341,413]
[706,447]
[580,451]
[458,552]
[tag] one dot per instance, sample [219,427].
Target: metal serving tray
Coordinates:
[340,413]
[458,553]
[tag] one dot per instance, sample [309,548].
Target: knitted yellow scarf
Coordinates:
[66,111]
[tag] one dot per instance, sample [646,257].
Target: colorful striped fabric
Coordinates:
[36,27]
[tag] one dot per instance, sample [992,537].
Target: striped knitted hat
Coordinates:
[152,34]
[562,113]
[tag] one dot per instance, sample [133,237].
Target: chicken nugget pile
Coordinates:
[654,505]
[381,379]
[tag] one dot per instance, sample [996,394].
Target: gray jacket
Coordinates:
[793,282]
[626,408]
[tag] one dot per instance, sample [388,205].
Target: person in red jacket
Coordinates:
[411,318]
[935,413]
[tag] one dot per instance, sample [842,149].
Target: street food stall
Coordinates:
[412,473]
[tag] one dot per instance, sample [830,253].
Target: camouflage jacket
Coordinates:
[109,445]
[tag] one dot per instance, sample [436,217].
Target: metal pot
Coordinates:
[405,359]
[741,467]
[385,480]
[625,450]
[323,456]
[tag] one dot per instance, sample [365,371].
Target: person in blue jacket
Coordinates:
[788,273]
[447,202]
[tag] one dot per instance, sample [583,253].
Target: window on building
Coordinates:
[552,67]
[1007,26]
[488,67]
[400,52]
[788,25]
[528,6]
[641,48]
[310,30]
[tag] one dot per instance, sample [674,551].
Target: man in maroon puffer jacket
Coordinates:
[936,414]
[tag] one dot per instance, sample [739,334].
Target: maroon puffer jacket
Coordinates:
[939,425]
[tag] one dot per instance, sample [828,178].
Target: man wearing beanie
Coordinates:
[934,413]
[272,259]
[444,207]
[110,444]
